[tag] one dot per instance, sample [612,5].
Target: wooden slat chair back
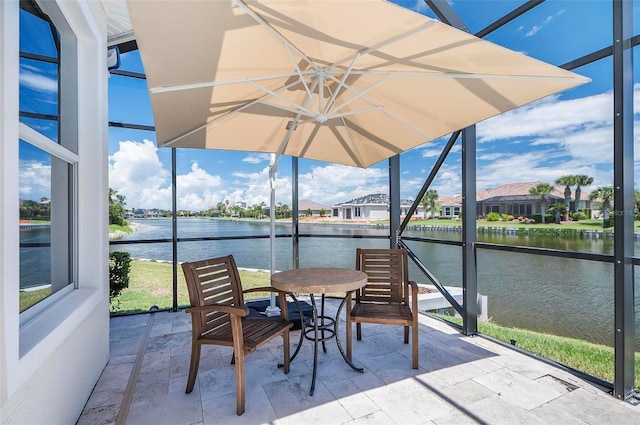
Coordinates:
[218,317]
[389,298]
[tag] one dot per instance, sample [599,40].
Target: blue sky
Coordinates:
[568,133]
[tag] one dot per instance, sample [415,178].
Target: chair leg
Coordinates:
[414,345]
[358,331]
[406,334]
[348,336]
[239,382]
[193,367]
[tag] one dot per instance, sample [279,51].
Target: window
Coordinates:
[47,169]
[356,212]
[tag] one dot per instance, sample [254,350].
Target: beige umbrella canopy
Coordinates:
[350,82]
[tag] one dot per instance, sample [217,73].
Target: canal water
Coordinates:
[560,296]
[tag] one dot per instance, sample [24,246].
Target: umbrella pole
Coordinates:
[272,309]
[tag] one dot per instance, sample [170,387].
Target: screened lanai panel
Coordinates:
[573,28]
[128,101]
[476,15]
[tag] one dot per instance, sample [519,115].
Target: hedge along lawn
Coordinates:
[594,359]
[151,283]
[590,224]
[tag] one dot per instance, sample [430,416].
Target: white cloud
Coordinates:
[34,180]
[136,172]
[330,184]
[37,81]
[536,28]
[256,158]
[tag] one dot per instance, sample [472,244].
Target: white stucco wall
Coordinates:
[49,365]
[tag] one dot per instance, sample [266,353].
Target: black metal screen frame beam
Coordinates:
[174,228]
[295,222]
[469,233]
[595,56]
[394,201]
[38,116]
[130,126]
[434,280]
[623,195]
[430,178]
[519,11]
[130,74]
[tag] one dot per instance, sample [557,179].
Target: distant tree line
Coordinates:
[33,210]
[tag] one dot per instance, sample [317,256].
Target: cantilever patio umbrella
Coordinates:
[350,82]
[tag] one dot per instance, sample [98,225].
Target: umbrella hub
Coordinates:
[322,72]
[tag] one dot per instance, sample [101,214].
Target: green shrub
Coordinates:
[493,216]
[119,268]
[578,215]
[586,212]
[548,218]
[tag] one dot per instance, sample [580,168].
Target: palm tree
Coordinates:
[558,209]
[542,190]
[567,182]
[285,211]
[429,199]
[605,193]
[581,180]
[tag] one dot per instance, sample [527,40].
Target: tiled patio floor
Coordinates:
[461,380]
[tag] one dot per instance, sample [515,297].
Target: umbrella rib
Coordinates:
[242,5]
[304,110]
[164,89]
[429,74]
[355,112]
[359,94]
[389,41]
[341,84]
[352,150]
[227,115]
[385,110]
[301,75]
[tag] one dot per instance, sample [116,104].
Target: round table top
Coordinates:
[319,280]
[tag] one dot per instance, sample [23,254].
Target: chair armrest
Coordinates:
[237,311]
[263,289]
[414,296]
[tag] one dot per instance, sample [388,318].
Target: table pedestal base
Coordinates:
[324,328]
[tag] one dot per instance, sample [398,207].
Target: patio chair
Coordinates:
[218,317]
[389,297]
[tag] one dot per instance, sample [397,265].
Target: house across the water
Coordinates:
[513,199]
[372,207]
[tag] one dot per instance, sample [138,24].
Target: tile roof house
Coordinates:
[372,207]
[305,206]
[510,198]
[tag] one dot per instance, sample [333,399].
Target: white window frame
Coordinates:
[49,146]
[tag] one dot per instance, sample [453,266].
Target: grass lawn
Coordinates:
[151,283]
[115,227]
[596,360]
